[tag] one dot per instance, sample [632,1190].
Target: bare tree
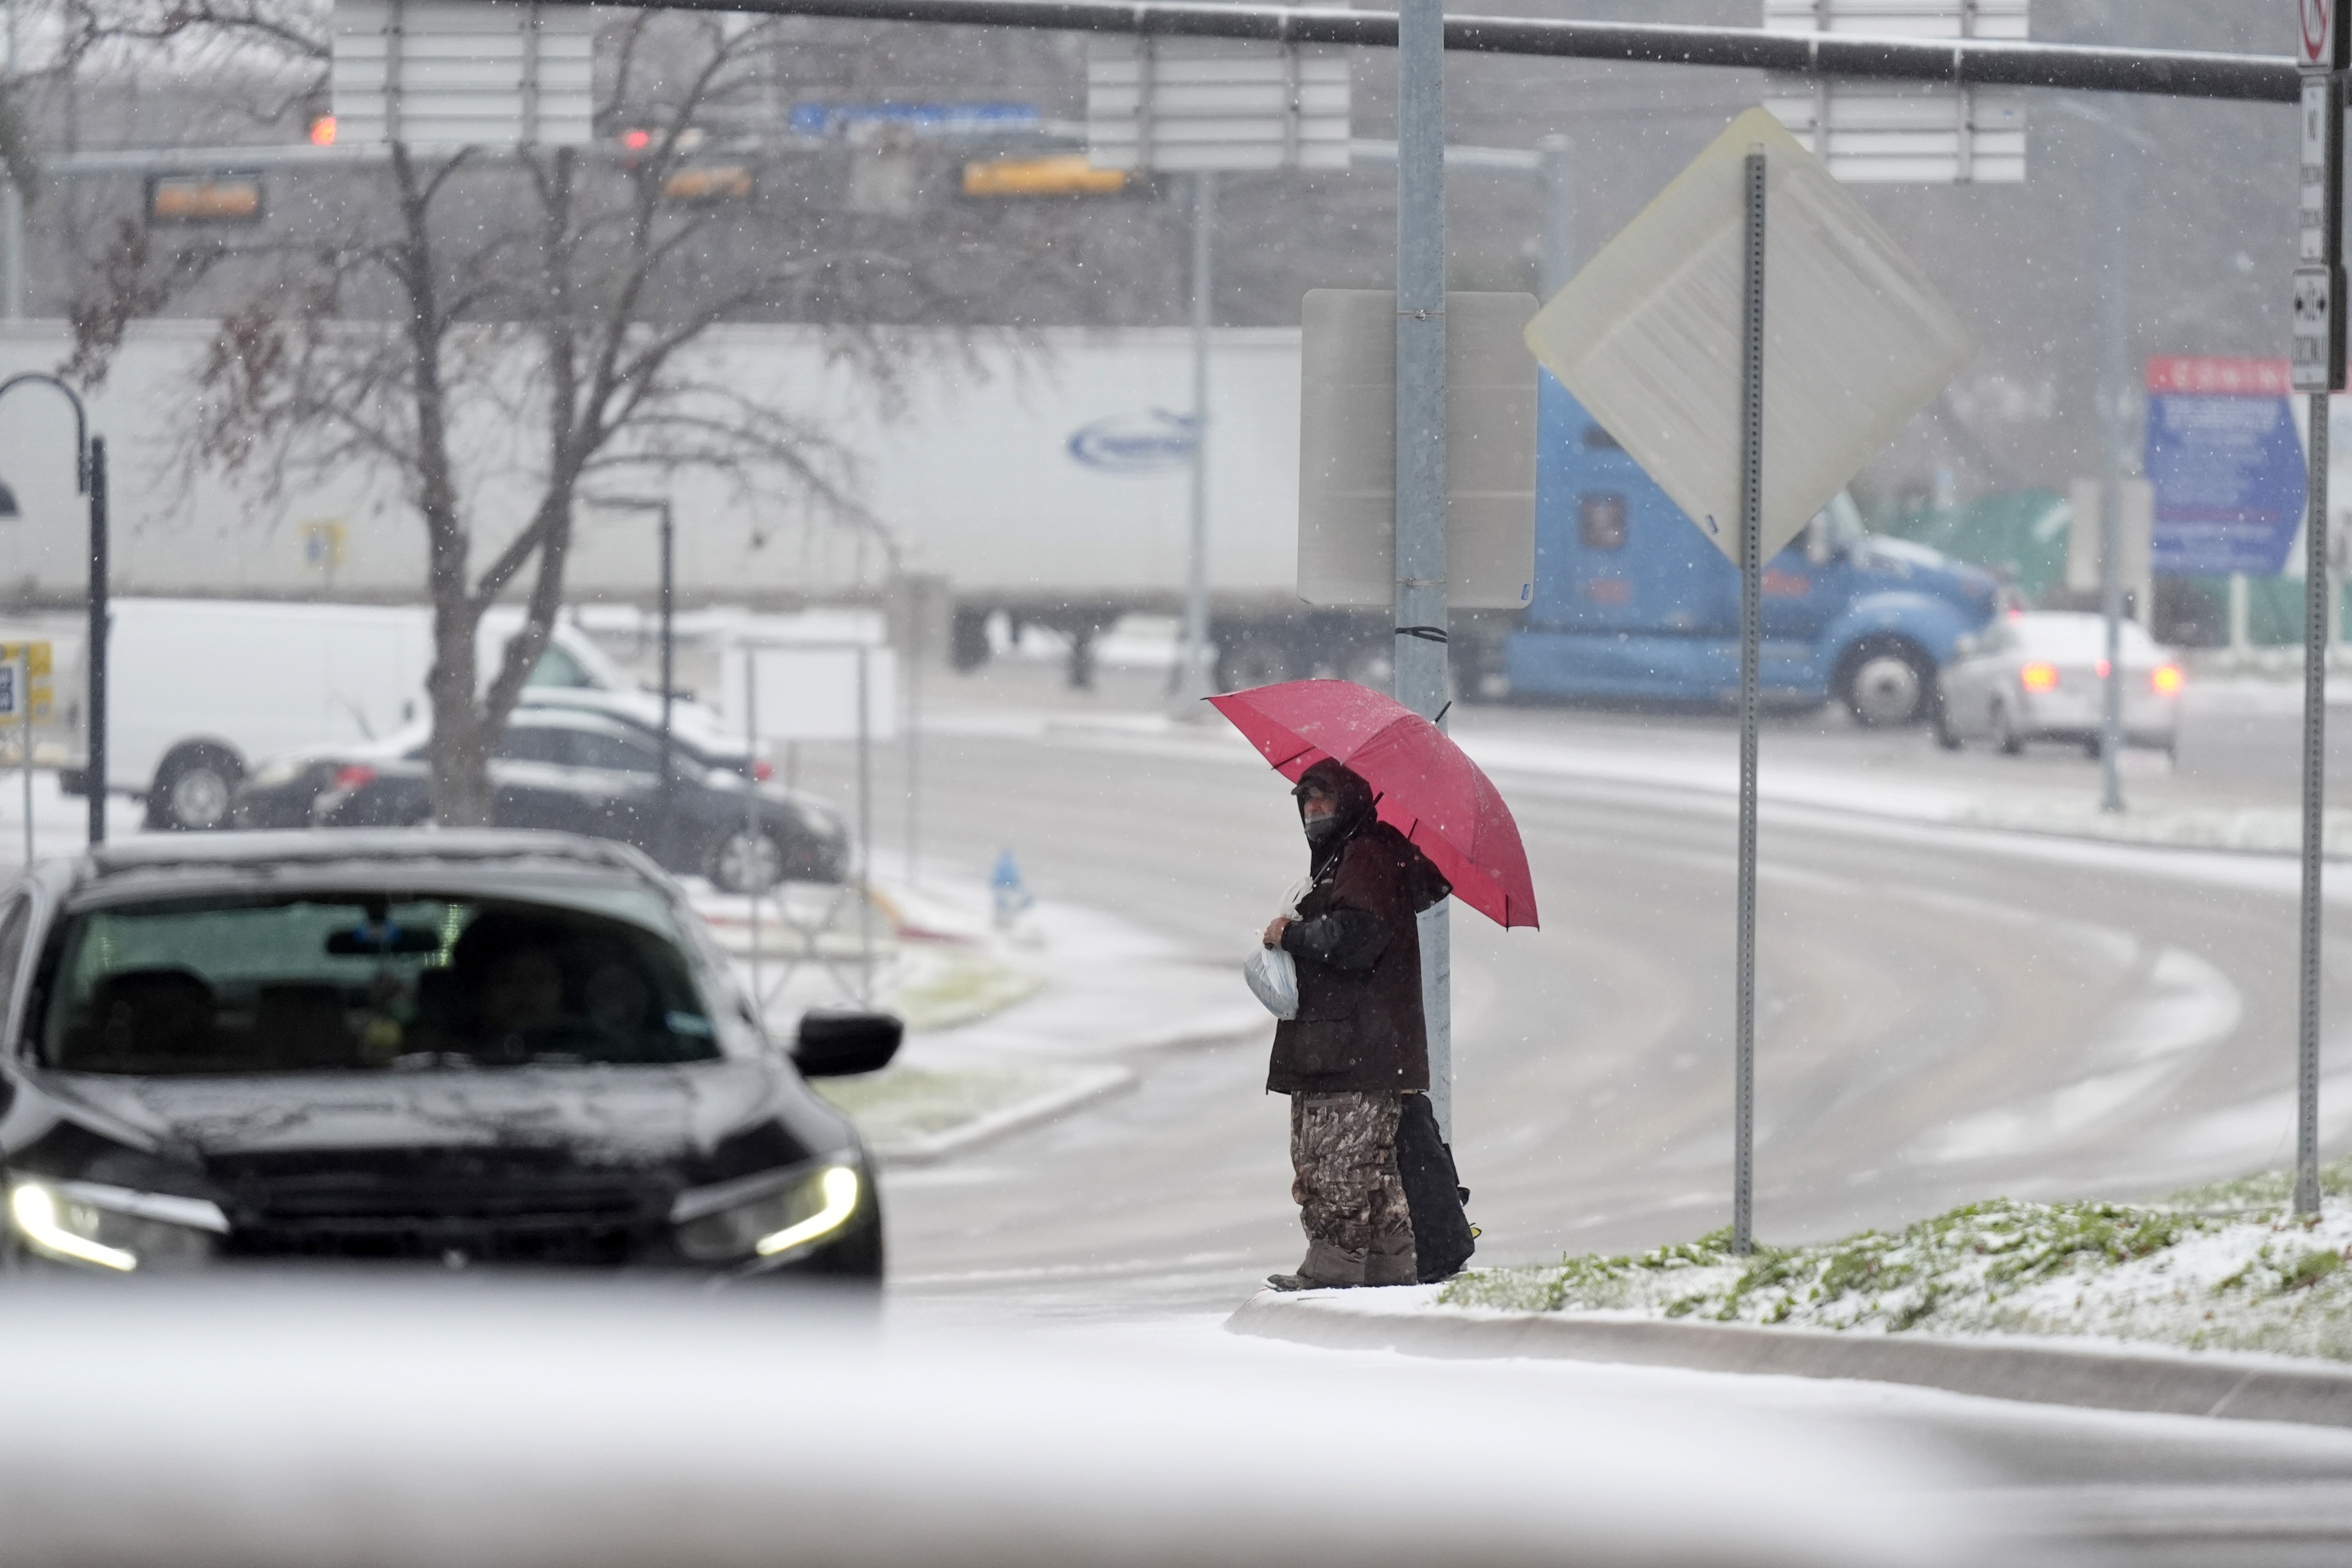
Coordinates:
[555,294]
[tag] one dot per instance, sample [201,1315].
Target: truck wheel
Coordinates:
[1888,684]
[193,789]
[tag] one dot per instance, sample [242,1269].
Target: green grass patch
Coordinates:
[2200,1270]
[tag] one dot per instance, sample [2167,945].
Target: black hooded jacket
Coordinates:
[1358,948]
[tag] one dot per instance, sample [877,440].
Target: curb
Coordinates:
[2035,1371]
[1097,1084]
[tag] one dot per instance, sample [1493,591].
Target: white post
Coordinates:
[2239,644]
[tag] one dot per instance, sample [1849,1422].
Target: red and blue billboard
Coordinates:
[2225,463]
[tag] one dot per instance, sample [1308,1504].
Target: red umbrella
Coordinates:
[1428,790]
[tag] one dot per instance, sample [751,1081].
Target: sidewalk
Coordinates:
[1006,1028]
[1408,1321]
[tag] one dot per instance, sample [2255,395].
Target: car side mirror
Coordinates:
[838,1044]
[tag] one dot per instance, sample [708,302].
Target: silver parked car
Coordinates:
[2037,676]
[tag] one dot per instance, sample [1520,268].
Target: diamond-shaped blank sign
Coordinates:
[1647,337]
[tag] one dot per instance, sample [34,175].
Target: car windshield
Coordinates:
[359,981]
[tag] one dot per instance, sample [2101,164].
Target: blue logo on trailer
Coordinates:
[2226,465]
[936,119]
[1135,443]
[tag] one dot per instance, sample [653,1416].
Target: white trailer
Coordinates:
[1043,477]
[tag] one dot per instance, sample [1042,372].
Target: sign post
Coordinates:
[1684,284]
[1752,652]
[26,695]
[2325,37]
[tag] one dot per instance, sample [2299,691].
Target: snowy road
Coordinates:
[1947,1014]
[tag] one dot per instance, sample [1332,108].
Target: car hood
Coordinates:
[620,1116]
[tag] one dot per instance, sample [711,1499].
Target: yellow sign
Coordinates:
[36,657]
[1070,175]
[323,544]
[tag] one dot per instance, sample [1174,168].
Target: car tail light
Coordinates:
[2038,677]
[352,776]
[2102,668]
[762,771]
[2166,679]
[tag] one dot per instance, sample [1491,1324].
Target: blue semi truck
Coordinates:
[1633,605]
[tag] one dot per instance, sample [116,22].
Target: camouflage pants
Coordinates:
[1350,1202]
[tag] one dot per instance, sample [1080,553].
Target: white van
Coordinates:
[198,691]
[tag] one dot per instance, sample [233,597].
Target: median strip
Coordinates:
[2219,1303]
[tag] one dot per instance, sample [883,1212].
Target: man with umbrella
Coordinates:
[1360,1044]
[1396,817]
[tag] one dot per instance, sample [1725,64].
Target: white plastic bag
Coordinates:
[1272,974]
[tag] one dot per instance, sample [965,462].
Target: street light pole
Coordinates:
[11,213]
[1197,678]
[89,480]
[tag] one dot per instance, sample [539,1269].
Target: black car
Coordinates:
[567,769]
[448,1048]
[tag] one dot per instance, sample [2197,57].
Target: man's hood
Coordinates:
[1356,811]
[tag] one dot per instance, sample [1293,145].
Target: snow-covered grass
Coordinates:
[2221,1267]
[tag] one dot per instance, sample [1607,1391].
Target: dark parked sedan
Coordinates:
[566,769]
[451,1047]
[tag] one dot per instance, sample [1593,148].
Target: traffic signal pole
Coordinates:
[1420,677]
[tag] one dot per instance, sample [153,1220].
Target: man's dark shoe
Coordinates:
[1294,1283]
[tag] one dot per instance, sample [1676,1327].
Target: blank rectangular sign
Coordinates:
[811,693]
[1346,449]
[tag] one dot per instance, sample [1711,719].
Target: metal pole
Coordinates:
[752,815]
[1420,616]
[2163,73]
[99,616]
[2315,780]
[25,704]
[1556,178]
[2114,375]
[864,840]
[1751,640]
[668,800]
[1198,678]
[12,213]
[914,722]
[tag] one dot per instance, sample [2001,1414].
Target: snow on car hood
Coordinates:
[599,1115]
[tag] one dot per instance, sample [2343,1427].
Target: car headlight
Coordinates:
[277,774]
[111,1227]
[764,1217]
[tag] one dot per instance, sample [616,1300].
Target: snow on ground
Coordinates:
[1007,1024]
[2201,1272]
